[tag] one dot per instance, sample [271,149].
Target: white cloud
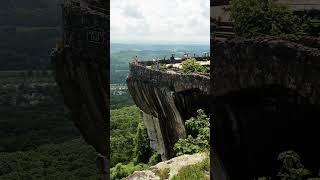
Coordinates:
[131,11]
[160,20]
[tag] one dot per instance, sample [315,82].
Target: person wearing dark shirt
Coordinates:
[172,59]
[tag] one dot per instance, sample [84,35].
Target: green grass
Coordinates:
[120,171]
[197,171]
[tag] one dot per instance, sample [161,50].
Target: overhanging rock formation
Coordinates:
[266,99]
[167,99]
[244,63]
[81,71]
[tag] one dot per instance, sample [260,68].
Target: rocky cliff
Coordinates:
[265,90]
[167,99]
[81,70]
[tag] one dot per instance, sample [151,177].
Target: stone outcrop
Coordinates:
[167,100]
[82,69]
[265,99]
[172,166]
[243,63]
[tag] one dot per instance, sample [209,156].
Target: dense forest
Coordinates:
[69,158]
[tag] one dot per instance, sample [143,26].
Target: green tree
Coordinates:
[191,65]
[121,171]
[70,160]
[257,17]
[198,139]
[142,149]
[123,129]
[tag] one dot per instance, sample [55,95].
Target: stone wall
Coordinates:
[168,61]
[177,81]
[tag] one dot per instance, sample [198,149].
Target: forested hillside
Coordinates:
[32,114]
[67,161]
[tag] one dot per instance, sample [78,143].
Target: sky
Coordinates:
[160,21]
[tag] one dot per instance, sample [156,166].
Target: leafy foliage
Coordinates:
[154,159]
[123,129]
[130,149]
[120,171]
[120,101]
[199,137]
[142,150]
[32,113]
[292,168]
[69,161]
[194,172]
[191,65]
[256,17]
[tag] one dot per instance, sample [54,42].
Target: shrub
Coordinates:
[121,171]
[191,65]
[199,135]
[292,167]
[256,17]
[163,67]
[154,159]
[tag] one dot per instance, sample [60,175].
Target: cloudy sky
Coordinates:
[160,21]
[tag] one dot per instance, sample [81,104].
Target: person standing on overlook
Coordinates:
[172,59]
[135,60]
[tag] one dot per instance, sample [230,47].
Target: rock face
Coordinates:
[81,71]
[244,63]
[173,166]
[167,100]
[266,99]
